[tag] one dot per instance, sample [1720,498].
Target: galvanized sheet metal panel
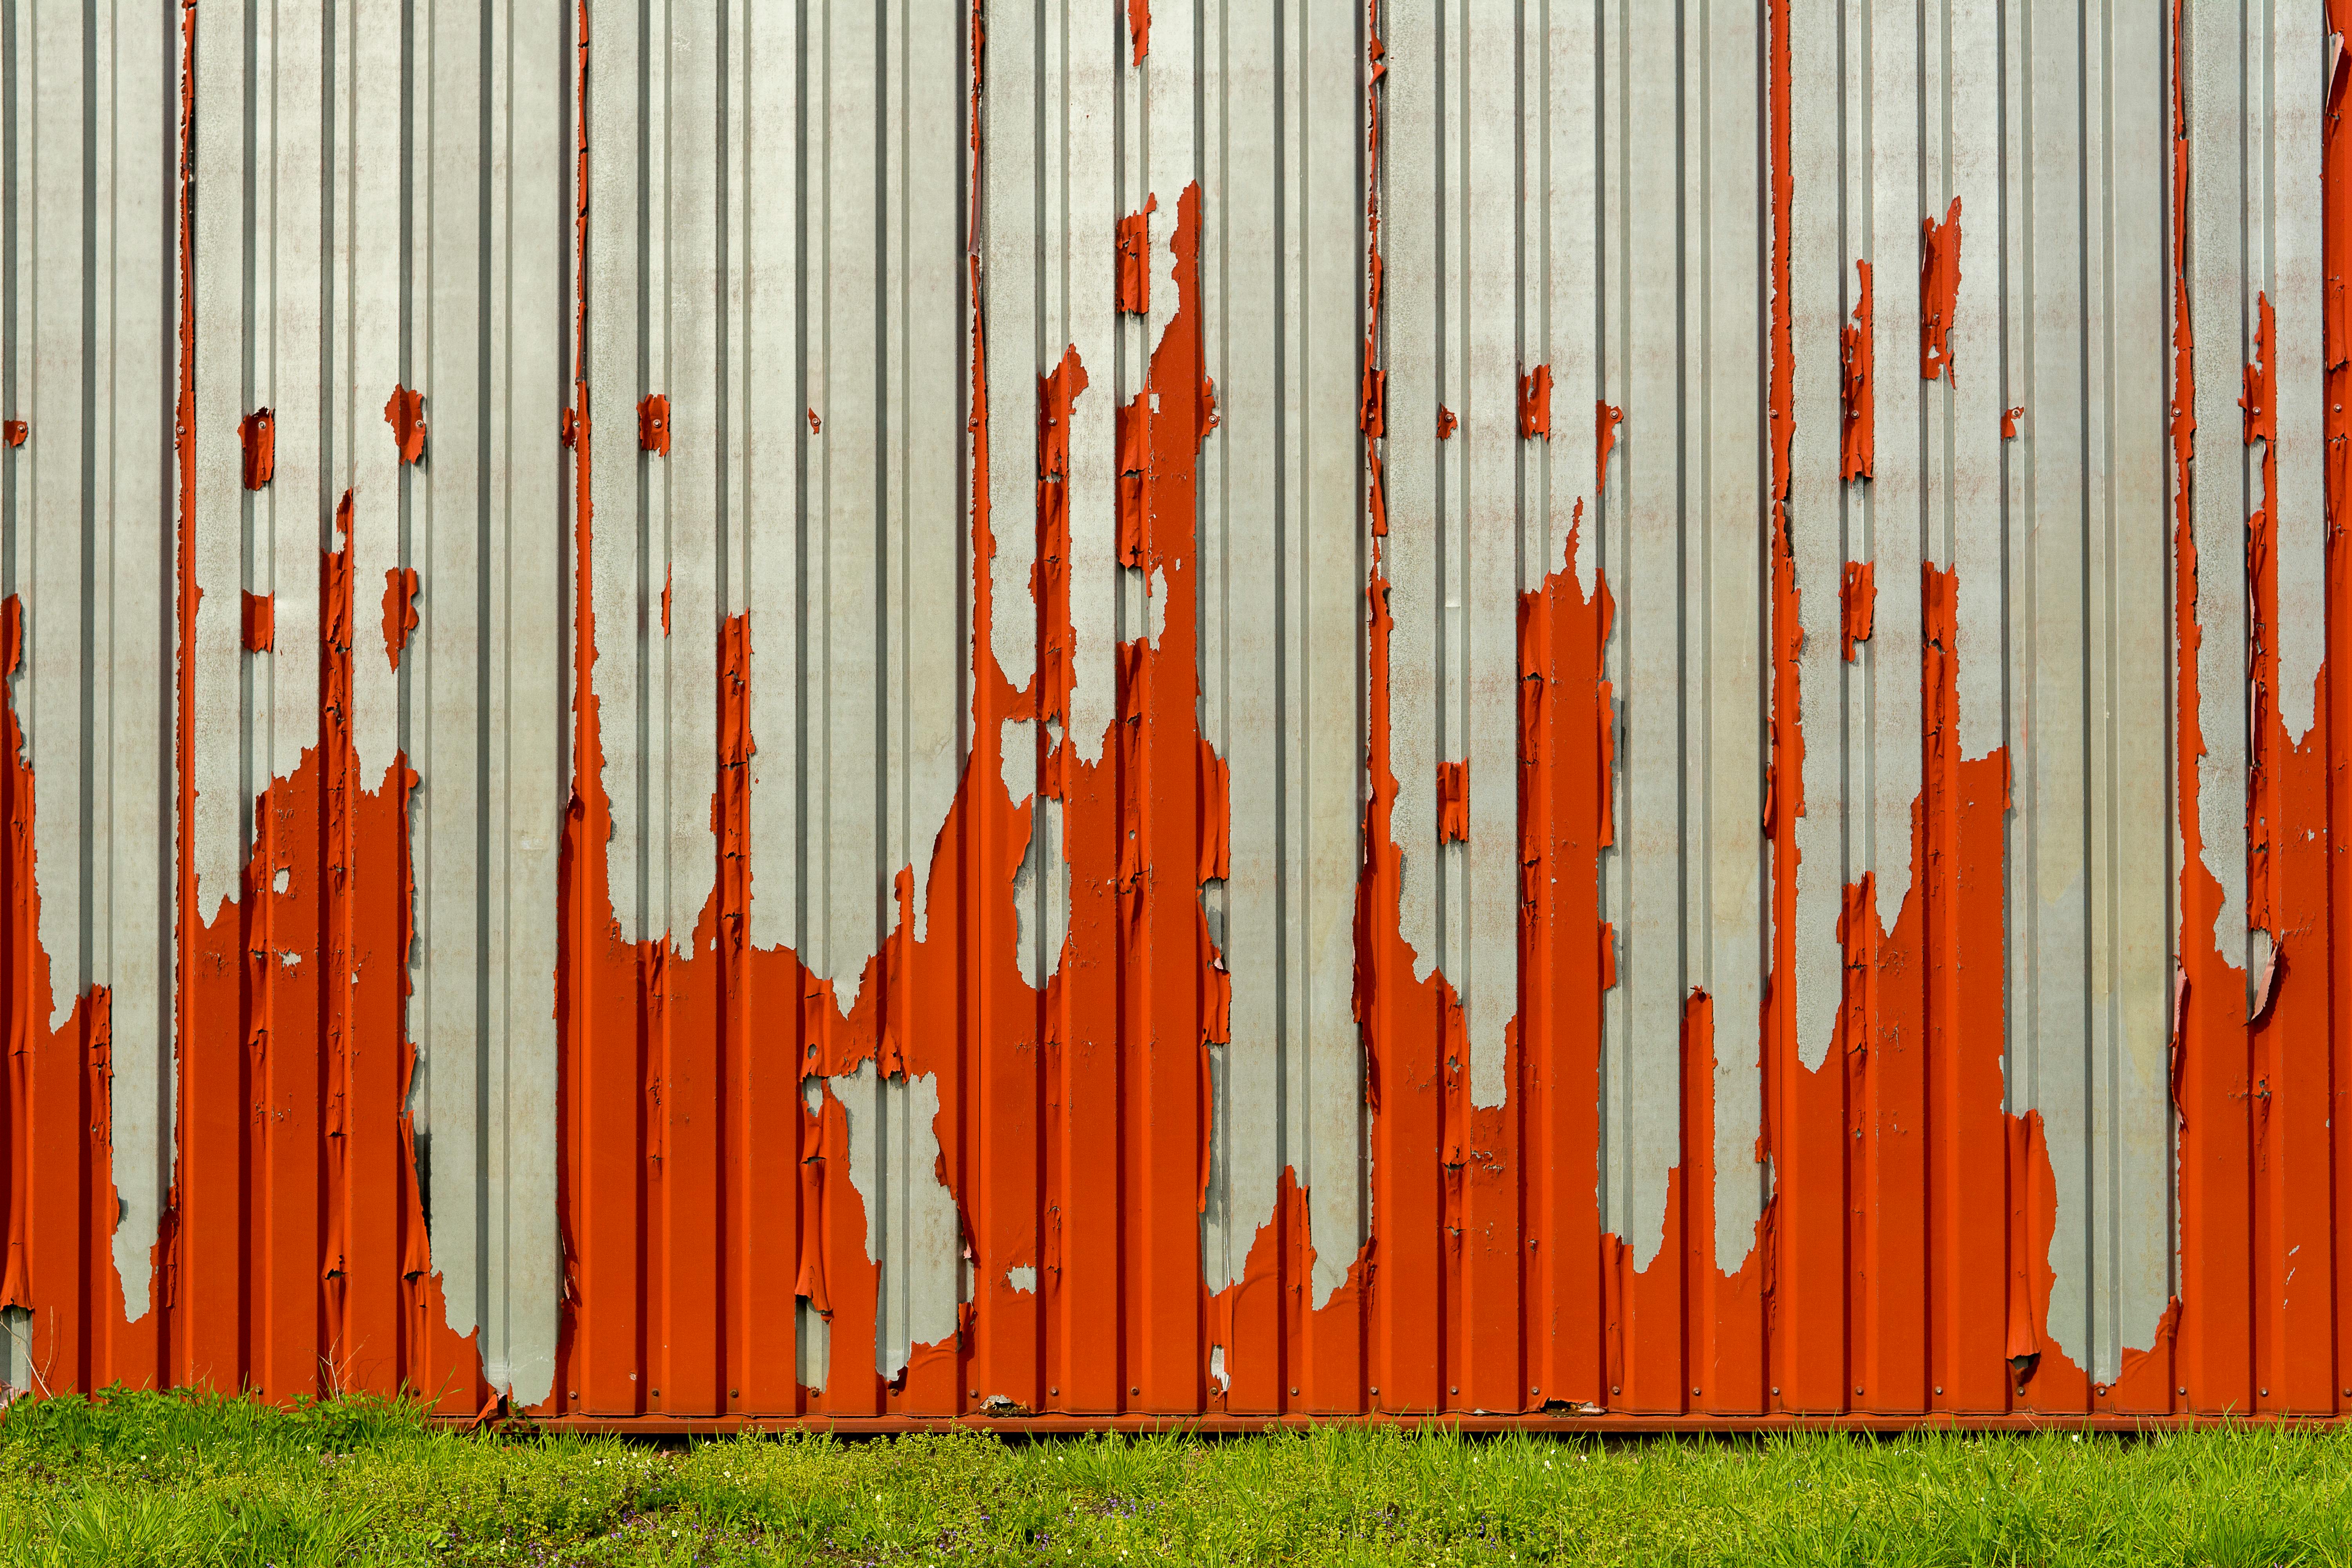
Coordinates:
[898,711]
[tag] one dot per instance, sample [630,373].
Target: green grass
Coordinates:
[133,1479]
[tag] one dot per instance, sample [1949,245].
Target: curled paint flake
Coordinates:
[258,434]
[1134,241]
[1371,413]
[1939,291]
[260,622]
[568,430]
[399,610]
[1858,603]
[1535,404]
[405,412]
[1453,803]
[1857,437]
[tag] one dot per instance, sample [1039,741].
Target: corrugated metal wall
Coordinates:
[908,709]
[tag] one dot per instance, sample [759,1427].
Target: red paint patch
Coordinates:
[1453,803]
[1535,404]
[817,425]
[1860,603]
[568,429]
[258,434]
[1606,418]
[405,412]
[669,579]
[1446,423]
[260,622]
[1134,240]
[1857,354]
[399,611]
[2009,419]
[1939,290]
[1139,27]
[653,424]
[14,432]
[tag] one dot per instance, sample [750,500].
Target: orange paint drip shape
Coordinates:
[1453,803]
[405,412]
[1535,404]
[399,610]
[1939,291]
[653,424]
[1606,418]
[1135,259]
[258,434]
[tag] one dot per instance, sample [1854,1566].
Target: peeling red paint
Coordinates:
[1535,404]
[55,1252]
[653,424]
[1135,259]
[405,412]
[2009,419]
[1605,419]
[399,610]
[1939,290]
[14,432]
[1139,27]
[1453,803]
[817,425]
[260,622]
[1860,603]
[2212,1143]
[1857,354]
[1446,423]
[258,434]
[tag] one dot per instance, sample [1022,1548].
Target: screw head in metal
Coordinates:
[1616,1390]
[1054,1392]
[1294,1393]
[1453,1390]
[2263,1393]
[1694,1394]
[1134,1393]
[734,1393]
[976,1393]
